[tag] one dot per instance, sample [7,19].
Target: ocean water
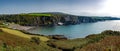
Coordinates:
[79,30]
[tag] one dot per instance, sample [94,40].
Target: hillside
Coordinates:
[11,42]
[110,43]
[105,41]
[14,40]
[51,19]
[21,34]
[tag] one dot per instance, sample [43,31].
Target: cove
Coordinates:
[78,31]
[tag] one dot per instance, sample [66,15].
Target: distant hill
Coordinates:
[51,19]
[50,13]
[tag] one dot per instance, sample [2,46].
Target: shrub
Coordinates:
[1,30]
[110,32]
[4,45]
[35,39]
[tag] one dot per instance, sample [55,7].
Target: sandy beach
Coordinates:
[19,27]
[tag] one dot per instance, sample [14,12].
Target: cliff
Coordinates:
[51,19]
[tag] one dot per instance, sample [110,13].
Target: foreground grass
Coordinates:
[19,33]
[11,42]
[73,44]
[84,44]
[110,43]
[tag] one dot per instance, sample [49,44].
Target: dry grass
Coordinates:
[105,41]
[11,42]
[18,33]
[69,44]
[110,43]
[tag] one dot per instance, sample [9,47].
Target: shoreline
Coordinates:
[19,27]
[25,28]
[22,34]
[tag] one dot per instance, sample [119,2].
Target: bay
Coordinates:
[78,31]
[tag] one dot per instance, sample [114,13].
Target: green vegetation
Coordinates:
[28,19]
[50,19]
[80,43]
[15,40]
[37,14]
[109,43]
[10,42]
[36,40]
[19,33]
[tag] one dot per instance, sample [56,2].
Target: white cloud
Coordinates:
[111,7]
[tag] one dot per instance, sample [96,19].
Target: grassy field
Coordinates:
[11,42]
[110,43]
[108,38]
[18,33]
[14,40]
[37,14]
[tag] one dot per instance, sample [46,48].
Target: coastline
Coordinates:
[25,28]
[56,41]
[19,27]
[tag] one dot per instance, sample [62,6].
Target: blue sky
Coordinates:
[76,7]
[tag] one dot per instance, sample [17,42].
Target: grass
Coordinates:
[73,44]
[37,14]
[69,44]
[11,42]
[19,33]
[84,43]
[110,43]
[14,40]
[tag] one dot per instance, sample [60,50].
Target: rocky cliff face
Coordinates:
[54,19]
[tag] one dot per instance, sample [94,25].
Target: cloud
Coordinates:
[77,7]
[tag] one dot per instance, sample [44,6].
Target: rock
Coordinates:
[60,23]
[58,37]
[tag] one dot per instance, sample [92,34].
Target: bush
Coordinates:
[1,30]
[36,40]
[110,32]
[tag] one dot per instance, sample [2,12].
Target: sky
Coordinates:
[75,7]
